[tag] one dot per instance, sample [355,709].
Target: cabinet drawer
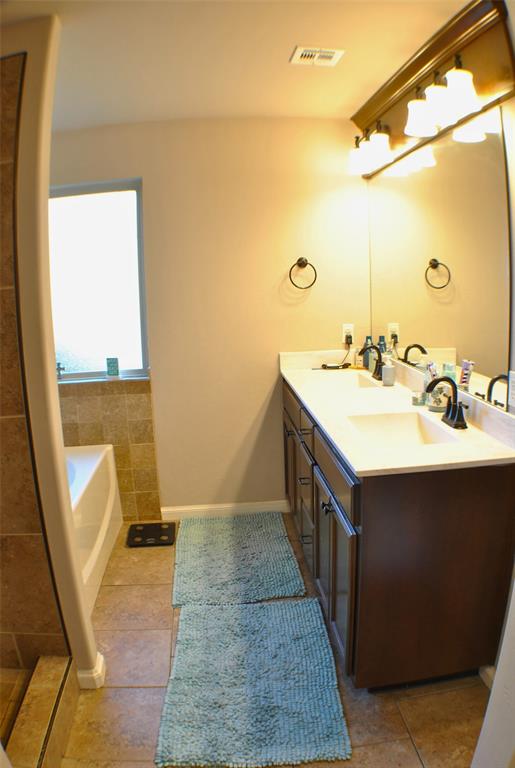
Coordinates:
[343,485]
[291,405]
[307,428]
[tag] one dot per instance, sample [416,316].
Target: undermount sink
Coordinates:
[367,381]
[401,429]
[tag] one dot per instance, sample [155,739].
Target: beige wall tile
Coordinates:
[137,387]
[67,389]
[125,480]
[145,479]
[30,729]
[6,225]
[61,726]
[141,431]
[139,407]
[147,503]
[129,509]
[8,653]
[91,434]
[10,77]
[69,409]
[71,434]
[116,432]
[24,608]
[143,456]
[32,646]
[18,507]
[114,408]
[122,456]
[11,400]
[89,409]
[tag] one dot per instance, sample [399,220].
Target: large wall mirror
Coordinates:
[454,208]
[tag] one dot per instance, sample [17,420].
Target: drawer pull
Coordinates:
[304,481]
[306,431]
[306,539]
[326,507]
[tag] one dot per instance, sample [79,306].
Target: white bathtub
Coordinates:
[97,513]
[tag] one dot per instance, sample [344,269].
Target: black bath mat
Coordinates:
[151,535]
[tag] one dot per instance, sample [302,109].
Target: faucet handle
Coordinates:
[459,419]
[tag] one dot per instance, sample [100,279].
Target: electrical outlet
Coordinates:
[393,328]
[347,330]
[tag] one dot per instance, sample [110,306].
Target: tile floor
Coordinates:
[430,726]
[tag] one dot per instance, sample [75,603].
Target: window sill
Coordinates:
[103,380]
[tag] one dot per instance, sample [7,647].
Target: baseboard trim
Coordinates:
[93,678]
[222,510]
[487,675]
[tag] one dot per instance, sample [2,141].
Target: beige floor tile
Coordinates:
[116,724]
[390,754]
[136,658]
[371,718]
[445,726]
[133,607]
[425,689]
[71,763]
[152,565]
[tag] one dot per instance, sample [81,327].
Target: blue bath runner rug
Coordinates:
[240,559]
[252,686]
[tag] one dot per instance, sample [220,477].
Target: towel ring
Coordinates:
[302,263]
[434,264]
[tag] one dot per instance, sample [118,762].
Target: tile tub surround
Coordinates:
[433,725]
[117,412]
[29,624]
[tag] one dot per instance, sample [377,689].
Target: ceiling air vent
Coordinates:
[316,57]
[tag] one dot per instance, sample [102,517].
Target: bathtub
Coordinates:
[96,508]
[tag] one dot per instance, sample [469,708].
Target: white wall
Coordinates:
[229,205]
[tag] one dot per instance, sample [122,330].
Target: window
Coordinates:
[97,279]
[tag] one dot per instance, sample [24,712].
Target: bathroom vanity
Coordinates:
[407,528]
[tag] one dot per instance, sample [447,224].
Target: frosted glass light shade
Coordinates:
[420,122]
[355,163]
[462,93]
[439,105]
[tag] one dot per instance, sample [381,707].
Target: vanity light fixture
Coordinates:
[356,164]
[420,122]
[461,90]
[469,133]
[370,151]
[439,103]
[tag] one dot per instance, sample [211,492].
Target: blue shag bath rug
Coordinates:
[240,559]
[252,685]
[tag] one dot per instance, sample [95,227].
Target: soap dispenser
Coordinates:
[388,374]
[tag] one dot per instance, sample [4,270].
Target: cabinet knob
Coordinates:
[304,481]
[306,431]
[306,539]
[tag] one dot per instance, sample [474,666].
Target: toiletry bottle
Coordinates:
[388,374]
[422,363]
[467,366]
[382,344]
[449,369]
[368,340]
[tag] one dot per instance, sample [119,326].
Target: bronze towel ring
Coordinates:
[302,263]
[434,264]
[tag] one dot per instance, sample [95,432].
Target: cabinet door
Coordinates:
[344,577]
[323,524]
[305,501]
[290,470]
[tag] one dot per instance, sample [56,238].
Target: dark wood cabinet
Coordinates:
[413,570]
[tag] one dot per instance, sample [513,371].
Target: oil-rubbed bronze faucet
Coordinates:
[489,391]
[379,360]
[407,351]
[453,415]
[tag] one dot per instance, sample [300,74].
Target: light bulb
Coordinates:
[462,94]
[354,167]
[420,122]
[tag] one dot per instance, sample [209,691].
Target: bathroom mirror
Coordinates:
[454,208]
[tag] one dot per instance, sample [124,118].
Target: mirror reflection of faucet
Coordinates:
[489,391]
[59,368]
[405,358]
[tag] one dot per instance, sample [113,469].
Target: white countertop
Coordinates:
[334,399]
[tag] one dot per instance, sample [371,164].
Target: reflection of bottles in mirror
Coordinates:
[449,369]
[467,367]
[382,344]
